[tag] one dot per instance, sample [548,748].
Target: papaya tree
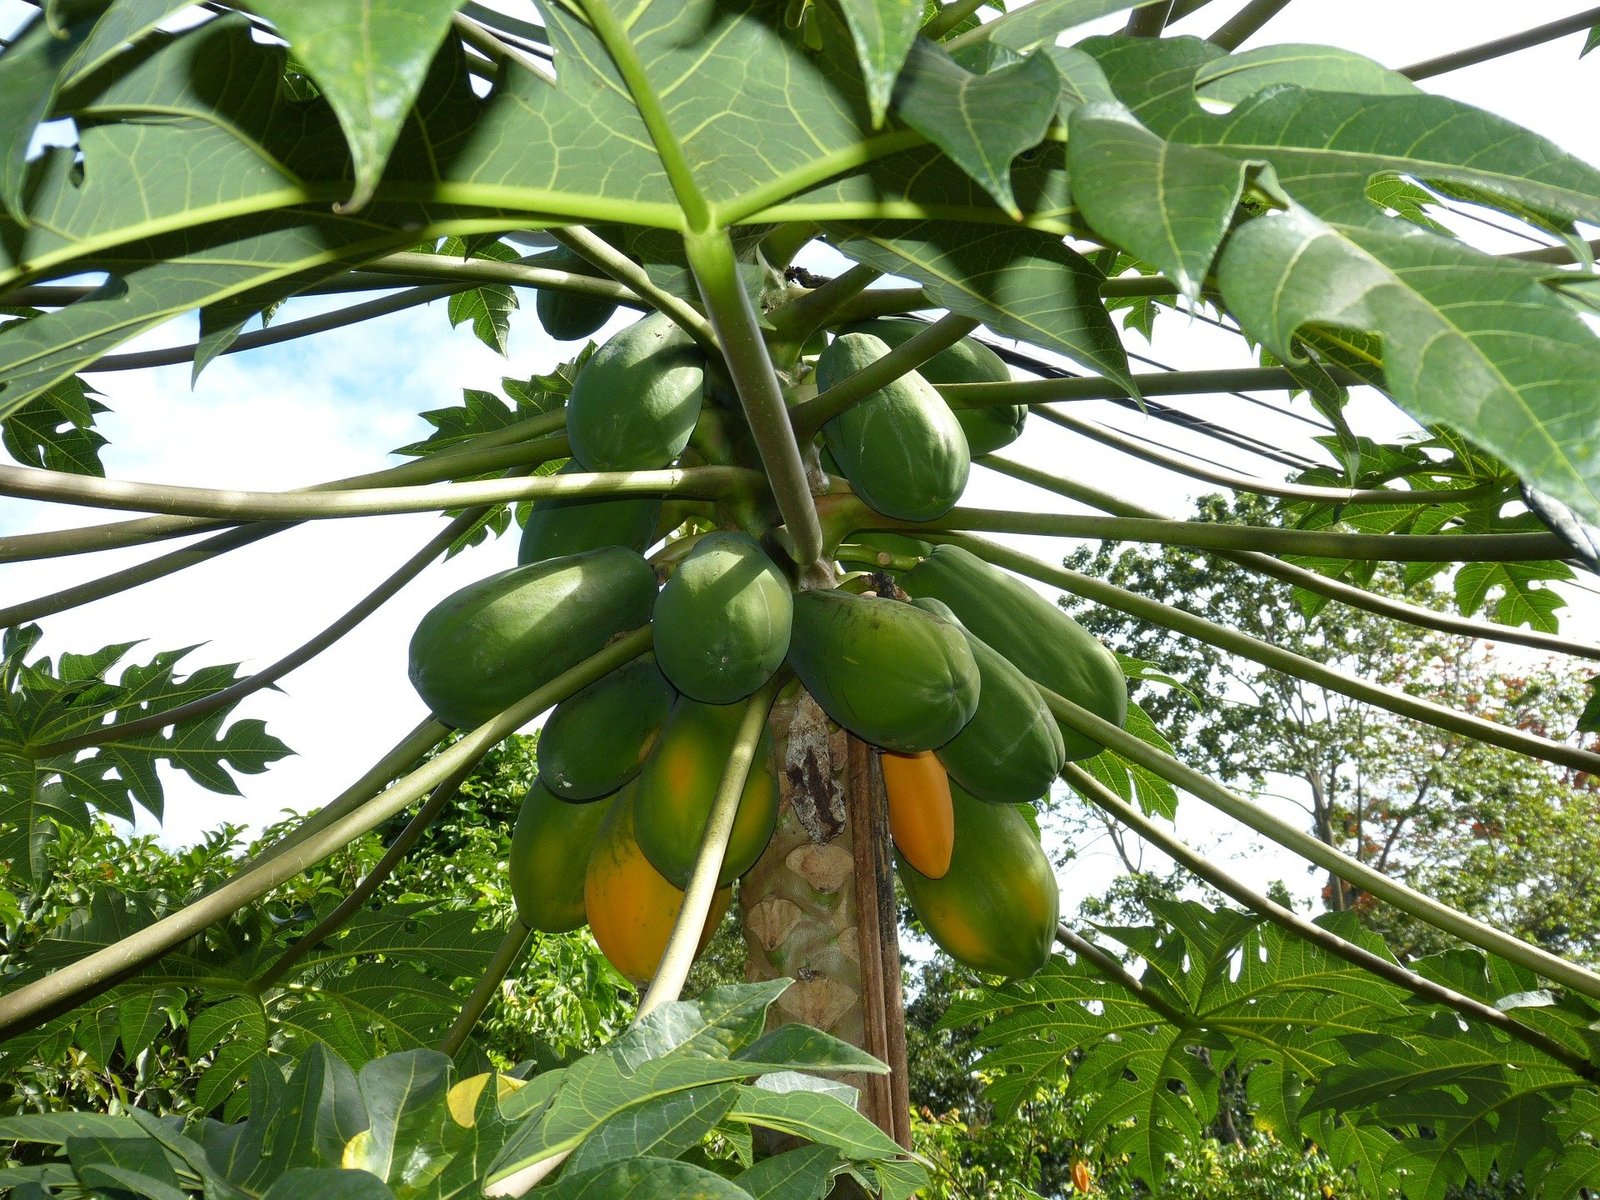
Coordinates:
[872,244]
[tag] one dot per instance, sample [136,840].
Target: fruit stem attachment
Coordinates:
[854,552]
[104,968]
[811,416]
[716,272]
[620,267]
[806,313]
[477,1002]
[1415,904]
[678,956]
[1387,969]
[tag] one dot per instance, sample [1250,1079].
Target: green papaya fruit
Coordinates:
[673,795]
[997,907]
[486,646]
[891,674]
[573,525]
[1011,750]
[901,448]
[570,316]
[968,361]
[634,404]
[597,739]
[722,619]
[1048,646]
[550,847]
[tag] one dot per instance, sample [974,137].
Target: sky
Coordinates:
[287,416]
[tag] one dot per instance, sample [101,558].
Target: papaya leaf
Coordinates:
[1030,25]
[1589,718]
[1528,391]
[1129,780]
[1326,147]
[643,1178]
[1237,77]
[31,72]
[803,1174]
[44,703]
[883,31]
[1019,282]
[816,1116]
[1168,203]
[662,1128]
[56,429]
[369,58]
[136,1165]
[488,306]
[981,121]
[313,1183]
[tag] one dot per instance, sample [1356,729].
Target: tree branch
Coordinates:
[1097,387]
[1424,908]
[477,1003]
[94,973]
[481,453]
[1243,483]
[1206,535]
[1386,969]
[678,955]
[700,482]
[811,416]
[228,696]
[745,352]
[623,269]
[1344,593]
[1279,659]
[1454,61]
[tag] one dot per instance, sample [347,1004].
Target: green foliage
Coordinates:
[48,705]
[408,1126]
[1398,1093]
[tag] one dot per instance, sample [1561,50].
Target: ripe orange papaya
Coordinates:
[997,906]
[723,619]
[901,448]
[550,848]
[1048,646]
[891,674]
[1012,749]
[597,739]
[630,905]
[922,822]
[674,792]
[968,361]
[486,646]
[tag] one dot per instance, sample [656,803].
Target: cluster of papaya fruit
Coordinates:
[939,664]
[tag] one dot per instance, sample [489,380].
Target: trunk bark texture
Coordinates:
[819,906]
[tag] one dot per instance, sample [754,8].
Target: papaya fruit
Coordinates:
[571,525]
[901,448]
[996,908]
[891,674]
[486,646]
[1048,646]
[723,619]
[634,404]
[673,795]
[968,361]
[570,316]
[550,847]
[1011,750]
[598,739]
[922,824]
[630,905]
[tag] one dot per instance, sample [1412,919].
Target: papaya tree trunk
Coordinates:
[819,905]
